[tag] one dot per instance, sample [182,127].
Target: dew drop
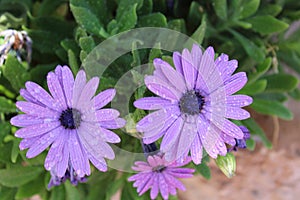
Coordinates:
[78,172]
[150,119]
[221,144]
[47,120]
[93,142]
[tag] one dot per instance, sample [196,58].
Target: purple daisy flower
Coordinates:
[194,104]
[159,175]
[71,121]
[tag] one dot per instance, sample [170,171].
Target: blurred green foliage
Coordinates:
[262,35]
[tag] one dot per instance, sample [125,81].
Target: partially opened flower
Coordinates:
[241,143]
[195,101]
[160,176]
[71,121]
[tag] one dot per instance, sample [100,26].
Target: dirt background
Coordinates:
[261,174]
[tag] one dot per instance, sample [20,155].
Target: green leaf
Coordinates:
[7,92]
[112,27]
[129,192]
[236,7]
[204,170]
[242,24]
[5,152]
[58,193]
[260,70]
[7,106]
[272,96]
[249,8]
[15,150]
[39,72]
[48,43]
[126,16]
[270,9]
[19,175]
[135,54]
[281,82]
[84,15]
[290,45]
[155,53]
[7,193]
[73,63]
[103,9]
[48,6]
[251,49]
[272,108]
[15,73]
[267,24]
[71,192]
[31,188]
[38,160]
[123,5]
[254,88]
[199,34]
[54,25]
[177,25]
[68,44]
[168,59]
[250,143]
[5,130]
[86,19]
[194,15]
[146,8]
[291,58]
[114,186]
[79,32]
[82,55]
[153,20]
[255,129]
[87,44]
[61,54]
[220,7]
[295,94]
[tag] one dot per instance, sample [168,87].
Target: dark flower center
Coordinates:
[159,168]
[149,149]
[70,118]
[191,102]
